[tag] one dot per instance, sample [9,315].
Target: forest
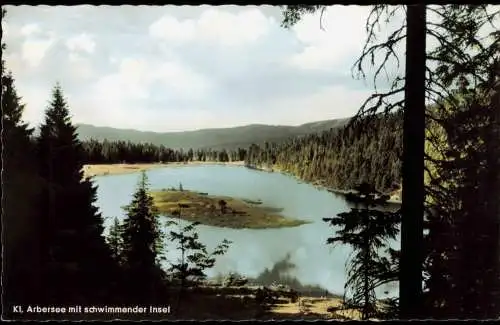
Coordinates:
[112,152]
[339,158]
[440,144]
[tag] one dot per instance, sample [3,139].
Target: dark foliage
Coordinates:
[342,158]
[71,244]
[368,230]
[142,246]
[110,152]
[20,187]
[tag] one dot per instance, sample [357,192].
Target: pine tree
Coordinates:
[115,240]
[195,258]
[463,227]
[142,244]
[19,191]
[77,263]
[367,230]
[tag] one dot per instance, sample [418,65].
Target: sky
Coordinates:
[176,68]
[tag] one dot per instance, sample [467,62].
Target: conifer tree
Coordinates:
[367,230]
[19,190]
[463,226]
[77,263]
[115,240]
[142,244]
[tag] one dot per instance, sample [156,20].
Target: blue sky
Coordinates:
[183,68]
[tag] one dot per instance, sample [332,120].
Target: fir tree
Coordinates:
[19,190]
[78,267]
[463,221]
[367,230]
[142,244]
[115,240]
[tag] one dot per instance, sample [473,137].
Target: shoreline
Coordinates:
[235,213]
[316,183]
[99,170]
[92,170]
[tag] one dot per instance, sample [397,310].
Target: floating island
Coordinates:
[220,211]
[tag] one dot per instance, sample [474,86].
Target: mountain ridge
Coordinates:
[215,138]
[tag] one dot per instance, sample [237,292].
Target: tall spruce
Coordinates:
[463,217]
[115,240]
[77,263]
[20,280]
[142,245]
[368,229]
[463,170]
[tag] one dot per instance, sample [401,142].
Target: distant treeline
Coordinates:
[340,158]
[109,152]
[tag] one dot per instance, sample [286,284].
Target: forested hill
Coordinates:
[223,138]
[340,158]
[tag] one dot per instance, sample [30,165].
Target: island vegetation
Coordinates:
[220,211]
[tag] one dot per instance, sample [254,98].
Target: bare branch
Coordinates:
[321,19]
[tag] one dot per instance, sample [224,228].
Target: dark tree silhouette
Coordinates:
[115,240]
[142,245]
[341,158]
[20,187]
[108,152]
[72,243]
[367,229]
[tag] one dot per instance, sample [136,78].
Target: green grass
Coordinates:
[205,209]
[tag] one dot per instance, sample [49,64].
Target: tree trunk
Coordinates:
[413,165]
[366,309]
[494,201]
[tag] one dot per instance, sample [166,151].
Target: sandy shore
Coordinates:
[115,169]
[313,308]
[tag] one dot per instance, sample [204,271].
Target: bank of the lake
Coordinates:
[92,170]
[394,200]
[220,211]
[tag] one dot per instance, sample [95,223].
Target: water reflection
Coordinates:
[296,255]
[280,273]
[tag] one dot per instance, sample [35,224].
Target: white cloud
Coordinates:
[229,29]
[33,50]
[30,29]
[82,42]
[128,83]
[170,29]
[341,36]
[184,81]
[36,100]
[122,98]
[328,102]
[173,77]
[80,67]
[214,25]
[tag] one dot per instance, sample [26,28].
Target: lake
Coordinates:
[252,251]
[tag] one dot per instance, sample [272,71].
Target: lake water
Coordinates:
[253,251]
